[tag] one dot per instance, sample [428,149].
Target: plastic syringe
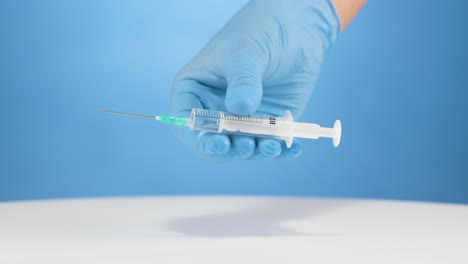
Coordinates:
[283,128]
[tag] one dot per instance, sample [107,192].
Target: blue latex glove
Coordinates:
[266,60]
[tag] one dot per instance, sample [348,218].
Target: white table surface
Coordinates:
[232,230]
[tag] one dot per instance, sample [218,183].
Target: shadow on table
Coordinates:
[260,220]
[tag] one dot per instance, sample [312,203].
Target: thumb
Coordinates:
[244,75]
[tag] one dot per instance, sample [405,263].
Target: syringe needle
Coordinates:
[127,114]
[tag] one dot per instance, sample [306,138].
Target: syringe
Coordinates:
[261,126]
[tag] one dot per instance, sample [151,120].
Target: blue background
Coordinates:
[397,78]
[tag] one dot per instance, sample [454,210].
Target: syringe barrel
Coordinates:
[218,121]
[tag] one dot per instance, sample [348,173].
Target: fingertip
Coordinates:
[267,149]
[294,151]
[242,147]
[242,100]
[186,135]
[213,144]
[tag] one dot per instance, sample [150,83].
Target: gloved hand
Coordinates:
[266,60]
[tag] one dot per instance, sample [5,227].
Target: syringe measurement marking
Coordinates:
[209,114]
[243,118]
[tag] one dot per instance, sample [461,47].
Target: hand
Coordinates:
[266,60]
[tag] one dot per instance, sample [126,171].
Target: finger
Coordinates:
[184,97]
[293,152]
[242,147]
[266,149]
[213,144]
[244,74]
[209,145]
